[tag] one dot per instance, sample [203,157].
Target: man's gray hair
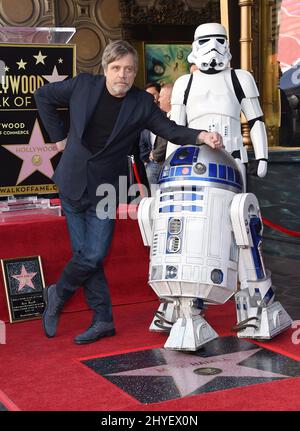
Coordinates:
[117,49]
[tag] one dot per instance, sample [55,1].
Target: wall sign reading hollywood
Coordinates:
[27,156]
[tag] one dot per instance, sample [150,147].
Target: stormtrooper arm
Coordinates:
[251,108]
[178,109]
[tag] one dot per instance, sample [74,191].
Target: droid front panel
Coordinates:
[193,251]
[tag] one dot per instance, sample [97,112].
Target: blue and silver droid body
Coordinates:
[193,248]
[204,233]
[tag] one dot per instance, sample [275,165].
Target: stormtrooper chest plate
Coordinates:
[212,95]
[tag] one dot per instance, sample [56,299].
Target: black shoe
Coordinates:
[96,331]
[52,311]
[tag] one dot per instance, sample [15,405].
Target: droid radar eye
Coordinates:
[199,168]
[183,154]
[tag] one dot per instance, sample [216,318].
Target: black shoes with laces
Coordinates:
[96,331]
[52,310]
[50,319]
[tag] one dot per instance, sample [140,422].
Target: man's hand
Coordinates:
[151,156]
[60,145]
[212,139]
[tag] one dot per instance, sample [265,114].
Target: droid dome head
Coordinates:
[200,166]
[210,49]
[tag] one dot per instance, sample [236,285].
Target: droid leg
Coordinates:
[165,316]
[168,313]
[258,315]
[190,331]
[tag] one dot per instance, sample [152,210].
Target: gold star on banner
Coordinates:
[21,64]
[6,69]
[40,58]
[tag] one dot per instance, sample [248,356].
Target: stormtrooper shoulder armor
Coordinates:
[247,83]
[179,88]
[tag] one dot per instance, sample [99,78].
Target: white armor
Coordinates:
[218,95]
[204,234]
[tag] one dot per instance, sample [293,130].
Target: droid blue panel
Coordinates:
[213,170]
[184,156]
[230,173]
[255,228]
[222,172]
[238,178]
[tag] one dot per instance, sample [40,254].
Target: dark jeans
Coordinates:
[153,170]
[90,239]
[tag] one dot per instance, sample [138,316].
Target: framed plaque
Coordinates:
[24,284]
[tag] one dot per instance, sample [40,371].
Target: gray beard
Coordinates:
[117,91]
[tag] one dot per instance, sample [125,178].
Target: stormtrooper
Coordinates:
[213,97]
[203,230]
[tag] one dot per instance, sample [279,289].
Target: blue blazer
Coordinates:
[78,168]
[145,145]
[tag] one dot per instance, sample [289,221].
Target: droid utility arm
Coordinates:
[145,219]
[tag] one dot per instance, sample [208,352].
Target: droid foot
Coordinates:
[190,334]
[264,323]
[164,317]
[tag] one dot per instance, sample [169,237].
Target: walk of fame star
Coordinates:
[25,278]
[156,375]
[55,76]
[185,371]
[36,155]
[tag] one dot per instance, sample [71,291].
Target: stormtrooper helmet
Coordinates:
[210,49]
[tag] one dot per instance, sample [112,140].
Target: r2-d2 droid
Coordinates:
[204,233]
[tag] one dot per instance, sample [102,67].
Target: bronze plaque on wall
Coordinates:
[24,284]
